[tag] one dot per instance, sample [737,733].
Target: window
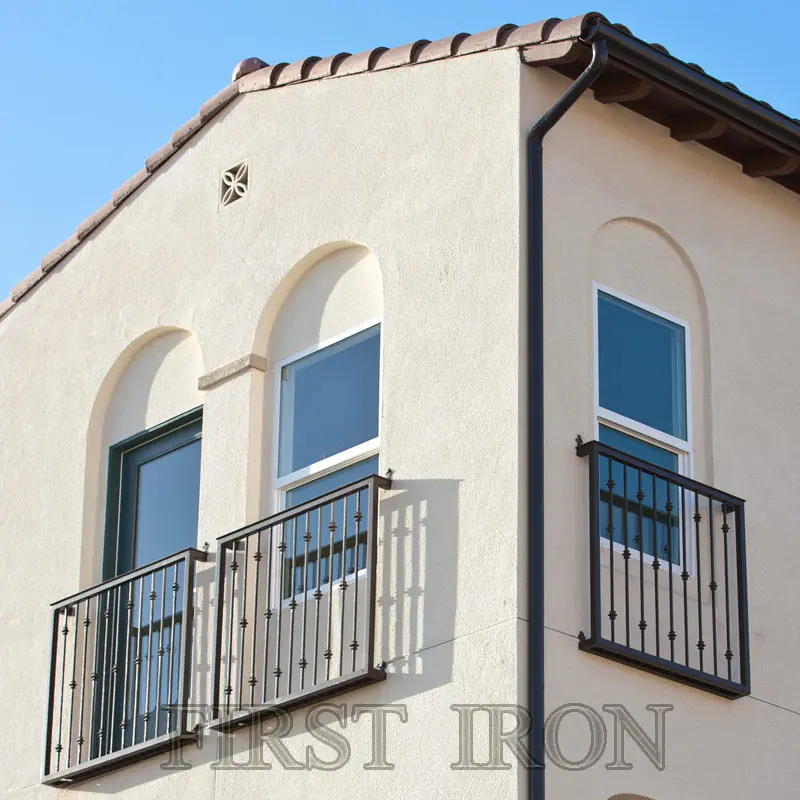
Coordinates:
[642,410]
[153,502]
[153,494]
[328,437]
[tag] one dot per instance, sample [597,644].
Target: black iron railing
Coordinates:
[296,604]
[668,578]
[120,670]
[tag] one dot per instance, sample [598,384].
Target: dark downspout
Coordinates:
[535,394]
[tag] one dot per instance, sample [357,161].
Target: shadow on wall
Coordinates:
[418,567]
[629,797]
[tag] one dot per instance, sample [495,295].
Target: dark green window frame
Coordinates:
[118,549]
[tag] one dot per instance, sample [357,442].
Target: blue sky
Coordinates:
[90,88]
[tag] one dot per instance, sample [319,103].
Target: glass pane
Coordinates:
[644,510]
[327,483]
[642,362]
[329,401]
[167,504]
[638,448]
[327,548]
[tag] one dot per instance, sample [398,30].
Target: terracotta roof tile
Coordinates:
[57,254]
[361,62]
[255,81]
[246,66]
[327,67]
[186,131]
[25,285]
[441,48]
[298,71]
[159,157]
[400,56]
[486,40]
[570,28]
[99,216]
[533,33]
[213,106]
[129,187]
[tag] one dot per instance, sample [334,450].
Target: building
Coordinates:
[324,281]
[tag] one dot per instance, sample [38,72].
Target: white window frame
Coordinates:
[611,419]
[604,416]
[345,458]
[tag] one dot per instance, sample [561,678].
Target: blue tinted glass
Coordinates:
[329,401]
[327,483]
[167,504]
[643,513]
[642,366]
[638,448]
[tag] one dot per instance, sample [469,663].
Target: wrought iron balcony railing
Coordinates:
[296,617]
[120,670]
[668,579]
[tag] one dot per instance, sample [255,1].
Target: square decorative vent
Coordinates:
[234,184]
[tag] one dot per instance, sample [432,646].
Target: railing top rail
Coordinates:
[378,481]
[595,447]
[189,553]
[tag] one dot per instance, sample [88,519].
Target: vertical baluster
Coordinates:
[328,654]
[317,592]
[64,631]
[685,576]
[712,585]
[612,614]
[86,623]
[173,625]
[282,555]
[303,663]
[115,650]
[95,677]
[358,516]
[671,564]
[741,598]
[161,651]
[257,557]
[73,683]
[150,660]
[656,566]
[343,588]
[267,614]
[243,620]
[128,592]
[728,651]
[697,519]
[640,498]
[137,673]
[231,602]
[104,675]
[292,602]
[626,555]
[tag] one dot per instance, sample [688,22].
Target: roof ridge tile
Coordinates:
[486,40]
[400,56]
[441,48]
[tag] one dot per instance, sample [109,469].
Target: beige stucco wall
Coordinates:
[681,229]
[173,286]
